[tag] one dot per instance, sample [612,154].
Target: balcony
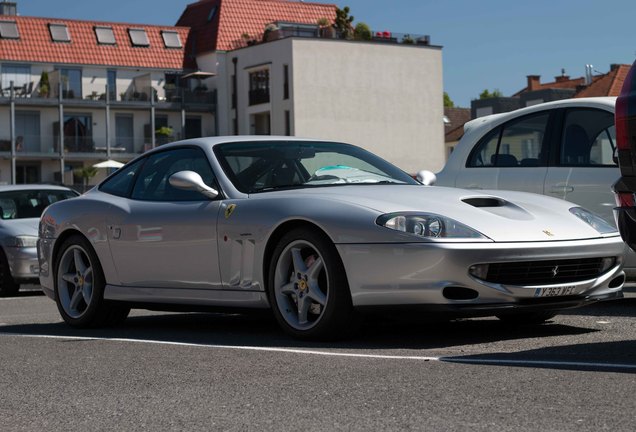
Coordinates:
[258,96]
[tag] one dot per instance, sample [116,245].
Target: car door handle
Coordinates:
[561,189]
[472,186]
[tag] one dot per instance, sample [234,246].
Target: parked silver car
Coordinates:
[564,149]
[20,210]
[317,231]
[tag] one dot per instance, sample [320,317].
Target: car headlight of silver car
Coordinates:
[593,220]
[23,241]
[428,225]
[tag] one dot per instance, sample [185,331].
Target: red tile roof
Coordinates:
[454,129]
[233,18]
[35,45]
[609,84]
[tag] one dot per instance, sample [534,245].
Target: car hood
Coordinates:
[503,216]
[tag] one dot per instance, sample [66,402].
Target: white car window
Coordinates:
[588,138]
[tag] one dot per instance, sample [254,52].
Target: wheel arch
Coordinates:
[275,237]
[60,241]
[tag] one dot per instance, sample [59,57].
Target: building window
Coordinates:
[212,13]
[259,87]
[19,74]
[71,83]
[78,133]
[112,84]
[287,123]
[59,33]
[9,30]
[286,82]
[171,39]
[105,35]
[138,37]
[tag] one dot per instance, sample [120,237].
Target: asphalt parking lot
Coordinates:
[193,371]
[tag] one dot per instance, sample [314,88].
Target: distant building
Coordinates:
[563,87]
[454,119]
[75,92]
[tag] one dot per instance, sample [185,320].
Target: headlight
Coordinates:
[23,241]
[593,220]
[428,225]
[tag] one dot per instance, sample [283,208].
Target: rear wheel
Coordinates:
[8,286]
[527,317]
[308,288]
[79,287]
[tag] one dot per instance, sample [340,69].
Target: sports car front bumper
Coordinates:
[430,274]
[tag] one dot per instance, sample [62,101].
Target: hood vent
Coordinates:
[485,202]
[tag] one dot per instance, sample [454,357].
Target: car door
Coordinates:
[164,237]
[511,156]
[582,167]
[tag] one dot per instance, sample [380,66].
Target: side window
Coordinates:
[486,151]
[588,138]
[152,183]
[121,182]
[516,143]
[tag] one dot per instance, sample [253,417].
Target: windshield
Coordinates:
[23,204]
[262,166]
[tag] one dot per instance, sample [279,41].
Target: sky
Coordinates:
[487,44]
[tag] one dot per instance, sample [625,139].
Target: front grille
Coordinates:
[545,272]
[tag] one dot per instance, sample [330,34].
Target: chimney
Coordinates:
[8,8]
[534,82]
[562,78]
[614,66]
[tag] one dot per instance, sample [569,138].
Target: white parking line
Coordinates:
[462,360]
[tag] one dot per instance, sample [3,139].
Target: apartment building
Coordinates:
[75,92]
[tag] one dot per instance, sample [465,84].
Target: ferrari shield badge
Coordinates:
[229,210]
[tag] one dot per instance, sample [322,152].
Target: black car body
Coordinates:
[625,187]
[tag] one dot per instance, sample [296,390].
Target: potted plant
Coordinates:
[270,33]
[85,173]
[163,135]
[44,85]
[407,39]
[326,28]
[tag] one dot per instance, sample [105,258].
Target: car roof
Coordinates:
[217,140]
[606,102]
[21,187]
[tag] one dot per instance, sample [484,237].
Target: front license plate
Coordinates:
[555,291]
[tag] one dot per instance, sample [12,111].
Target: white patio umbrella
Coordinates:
[109,164]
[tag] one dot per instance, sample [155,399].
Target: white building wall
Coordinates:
[386,98]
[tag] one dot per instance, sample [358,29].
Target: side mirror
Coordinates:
[189,180]
[425,177]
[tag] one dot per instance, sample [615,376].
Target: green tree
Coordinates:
[488,95]
[343,23]
[448,102]
[86,173]
[362,31]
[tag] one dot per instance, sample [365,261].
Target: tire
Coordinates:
[8,286]
[527,318]
[308,289]
[79,287]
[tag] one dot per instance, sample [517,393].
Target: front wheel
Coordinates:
[79,287]
[308,287]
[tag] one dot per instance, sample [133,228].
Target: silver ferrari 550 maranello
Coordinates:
[317,231]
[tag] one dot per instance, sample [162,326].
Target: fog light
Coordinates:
[480,271]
